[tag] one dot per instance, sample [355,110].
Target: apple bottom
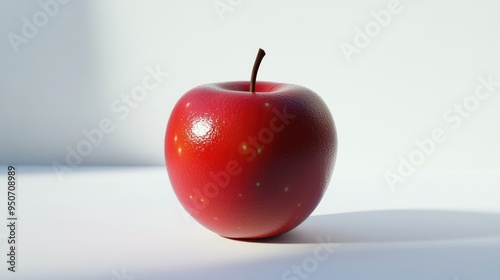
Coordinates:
[244,203]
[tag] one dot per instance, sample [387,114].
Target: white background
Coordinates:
[94,221]
[393,92]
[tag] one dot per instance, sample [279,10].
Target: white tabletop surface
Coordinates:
[126,223]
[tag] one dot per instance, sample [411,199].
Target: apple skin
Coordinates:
[250,165]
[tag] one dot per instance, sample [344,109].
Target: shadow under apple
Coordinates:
[392,226]
[391,244]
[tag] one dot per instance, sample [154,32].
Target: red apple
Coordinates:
[250,159]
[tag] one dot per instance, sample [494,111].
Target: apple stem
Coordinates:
[258,59]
